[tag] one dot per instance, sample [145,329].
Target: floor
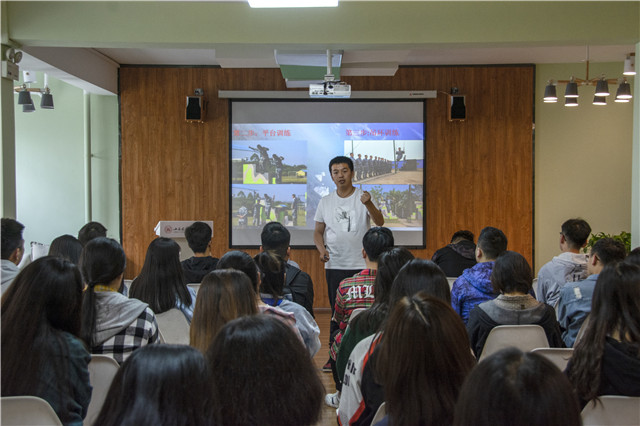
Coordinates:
[323,317]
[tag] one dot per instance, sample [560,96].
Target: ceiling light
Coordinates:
[24,93]
[24,97]
[571,102]
[293,3]
[599,100]
[572,89]
[28,107]
[602,87]
[624,90]
[630,64]
[550,92]
[47,100]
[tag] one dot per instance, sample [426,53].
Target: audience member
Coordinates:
[272,279]
[568,266]
[42,354]
[90,231]
[67,247]
[161,282]
[355,293]
[422,360]
[512,279]
[515,388]
[275,238]
[575,299]
[457,256]
[370,321]
[634,256]
[359,399]
[224,295]
[12,250]
[112,324]
[606,361]
[474,285]
[161,385]
[274,381]
[198,236]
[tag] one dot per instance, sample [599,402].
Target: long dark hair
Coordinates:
[44,300]
[240,261]
[102,261]
[161,282]
[271,370]
[272,273]
[223,295]
[615,311]
[166,385]
[423,359]
[420,275]
[67,247]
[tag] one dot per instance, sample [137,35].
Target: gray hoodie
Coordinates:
[115,312]
[564,268]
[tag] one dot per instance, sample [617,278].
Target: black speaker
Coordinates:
[457,108]
[194,108]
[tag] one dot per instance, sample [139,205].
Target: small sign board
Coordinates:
[175,228]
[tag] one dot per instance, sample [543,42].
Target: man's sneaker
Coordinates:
[327,367]
[332,399]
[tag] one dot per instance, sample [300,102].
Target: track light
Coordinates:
[47,99]
[570,102]
[624,90]
[572,89]
[24,97]
[550,92]
[599,100]
[630,64]
[24,93]
[28,107]
[602,87]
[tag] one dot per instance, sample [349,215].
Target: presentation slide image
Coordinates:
[386,161]
[255,205]
[401,205]
[269,162]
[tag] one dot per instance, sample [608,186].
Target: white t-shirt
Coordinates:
[346,221]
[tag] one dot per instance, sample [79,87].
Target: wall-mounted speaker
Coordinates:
[457,110]
[195,109]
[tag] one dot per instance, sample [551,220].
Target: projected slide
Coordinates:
[280,152]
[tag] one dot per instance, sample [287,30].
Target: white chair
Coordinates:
[451,280]
[102,370]
[382,411]
[127,284]
[27,410]
[356,312]
[534,285]
[558,356]
[612,410]
[173,327]
[195,287]
[523,337]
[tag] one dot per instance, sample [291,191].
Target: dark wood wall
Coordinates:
[479,172]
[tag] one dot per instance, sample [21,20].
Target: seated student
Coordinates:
[163,385]
[361,396]
[161,282]
[276,238]
[634,256]
[459,255]
[42,354]
[274,382]
[112,324]
[474,285]
[369,321]
[515,388]
[606,361]
[198,236]
[12,250]
[272,279]
[568,266]
[354,293]
[90,231]
[224,295]
[67,247]
[422,360]
[574,302]
[512,280]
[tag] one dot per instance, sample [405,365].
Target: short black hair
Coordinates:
[377,240]
[634,256]
[576,232]
[90,231]
[198,236]
[511,272]
[11,236]
[467,235]
[275,237]
[609,250]
[492,242]
[341,159]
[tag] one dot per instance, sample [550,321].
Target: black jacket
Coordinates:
[300,286]
[195,268]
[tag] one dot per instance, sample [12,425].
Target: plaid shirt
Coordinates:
[142,331]
[353,293]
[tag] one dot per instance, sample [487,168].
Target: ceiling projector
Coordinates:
[330,89]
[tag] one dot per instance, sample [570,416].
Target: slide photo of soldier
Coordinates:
[257,205]
[402,206]
[267,162]
[386,162]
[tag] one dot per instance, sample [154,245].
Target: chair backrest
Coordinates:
[127,284]
[558,356]
[194,286]
[612,410]
[102,370]
[451,280]
[382,411]
[523,337]
[356,312]
[27,410]
[534,285]
[173,327]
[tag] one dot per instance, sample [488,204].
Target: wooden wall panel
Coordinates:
[479,172]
